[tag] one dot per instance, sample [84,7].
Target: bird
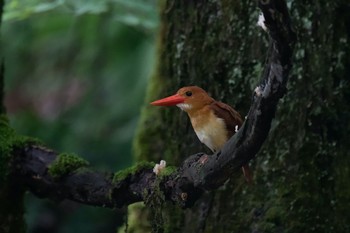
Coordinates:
[214,122]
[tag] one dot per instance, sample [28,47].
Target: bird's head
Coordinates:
[187,98]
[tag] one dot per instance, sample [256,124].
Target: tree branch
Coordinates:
[199,172]
[31,167]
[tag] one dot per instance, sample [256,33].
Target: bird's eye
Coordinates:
[188,93]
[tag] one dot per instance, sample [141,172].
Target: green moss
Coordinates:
[8,141]
[274,214]
[66,163]
[137,221]
[139,214]
[167,171]
[6,138]
[121,175]
[146,129]
[12,209]
[151,118]
[155,202]
[173,214]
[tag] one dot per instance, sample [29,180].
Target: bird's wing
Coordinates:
[231,117]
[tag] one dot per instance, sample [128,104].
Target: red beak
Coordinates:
[169,101]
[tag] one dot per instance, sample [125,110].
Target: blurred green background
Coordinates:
[76,73]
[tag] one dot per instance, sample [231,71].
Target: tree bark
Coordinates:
[301,172]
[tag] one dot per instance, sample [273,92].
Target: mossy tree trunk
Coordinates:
[11,195]
[301,174]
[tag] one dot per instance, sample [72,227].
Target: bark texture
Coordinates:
[301,174]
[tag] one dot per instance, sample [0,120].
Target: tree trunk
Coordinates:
[11,196]
[301,174]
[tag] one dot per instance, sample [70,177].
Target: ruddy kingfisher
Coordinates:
[214,122]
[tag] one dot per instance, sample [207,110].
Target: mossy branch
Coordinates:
[65,176]
[37,169]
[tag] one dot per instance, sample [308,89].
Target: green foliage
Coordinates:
[99,83]
[66,163]
[76,73]
[135,13]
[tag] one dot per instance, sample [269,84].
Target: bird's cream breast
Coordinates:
[210,130]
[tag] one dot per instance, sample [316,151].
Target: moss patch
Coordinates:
[66,163]
[6,137]
[12,209]
[137,219]
[167,171]
[121,175]
[8,141]
[154,201]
